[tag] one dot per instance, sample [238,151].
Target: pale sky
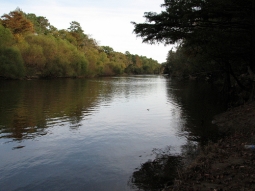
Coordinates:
[107,21]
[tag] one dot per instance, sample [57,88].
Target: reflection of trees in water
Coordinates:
[198,103]
[195,103]
[28,108]
[158,173]
[23,126]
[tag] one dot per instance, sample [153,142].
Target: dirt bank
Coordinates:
[227,164]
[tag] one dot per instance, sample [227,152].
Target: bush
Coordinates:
[11,63]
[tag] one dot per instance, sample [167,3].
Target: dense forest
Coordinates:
[31,47]
[215,42]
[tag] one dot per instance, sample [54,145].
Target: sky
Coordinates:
[106,21]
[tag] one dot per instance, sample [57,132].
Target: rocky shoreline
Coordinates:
[227,164]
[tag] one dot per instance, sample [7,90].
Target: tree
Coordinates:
[6,37]
[17,22]
[11,63]
[77,32]
[107,49]
[75,27]
[220,31]
[65,34]
[182,18]
[41,24]
[200,22]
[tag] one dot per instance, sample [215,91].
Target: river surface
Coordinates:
[91,134]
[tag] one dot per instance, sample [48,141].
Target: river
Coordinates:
[91,134]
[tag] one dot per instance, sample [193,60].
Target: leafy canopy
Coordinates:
[17,22]
[181,19]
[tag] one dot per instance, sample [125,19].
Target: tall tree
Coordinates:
[41,24]
[17,22]
[108,50]
[77,32]
[222,31]
[200,22]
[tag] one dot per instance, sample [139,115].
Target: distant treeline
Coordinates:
[31,47]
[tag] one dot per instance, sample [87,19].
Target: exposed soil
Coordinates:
[227,164]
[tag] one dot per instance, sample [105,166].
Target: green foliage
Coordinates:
[32,51]
[215,37]
[75,27]
[50,52]
[50,57]
[66,62]
[141,65]
[182,19]
[6,37]
[107,49]
[77,32]
[41,24]
[65,35]
[11,65]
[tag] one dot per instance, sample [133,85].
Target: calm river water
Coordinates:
[91,134]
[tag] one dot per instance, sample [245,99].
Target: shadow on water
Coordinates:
[160,173]
[198,103]
[156,174]
[30,108]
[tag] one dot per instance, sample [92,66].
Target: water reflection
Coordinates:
[28,108]
[89,134]
[198,103]
[195,104]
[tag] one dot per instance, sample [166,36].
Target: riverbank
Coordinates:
[226,164]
